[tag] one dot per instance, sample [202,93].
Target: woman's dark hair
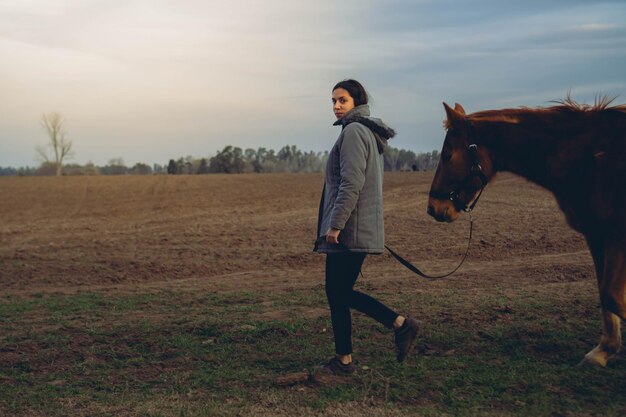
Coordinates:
[355,89]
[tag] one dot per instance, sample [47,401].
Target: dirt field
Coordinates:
[224,232]
[165,295]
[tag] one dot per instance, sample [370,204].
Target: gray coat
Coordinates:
[352,200]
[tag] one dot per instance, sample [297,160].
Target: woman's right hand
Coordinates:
[332,236]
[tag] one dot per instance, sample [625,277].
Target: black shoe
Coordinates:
[335,367]
[405,336]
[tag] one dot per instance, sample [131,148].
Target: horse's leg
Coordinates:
[609,260]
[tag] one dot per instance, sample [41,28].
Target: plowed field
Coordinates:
[256,231]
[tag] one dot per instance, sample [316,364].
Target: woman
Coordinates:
[350,222]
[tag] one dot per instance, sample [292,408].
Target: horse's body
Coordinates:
[579,153]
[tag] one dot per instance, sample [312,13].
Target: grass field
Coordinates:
[190,296]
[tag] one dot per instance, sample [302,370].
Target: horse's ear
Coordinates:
[454,118]
[459,108]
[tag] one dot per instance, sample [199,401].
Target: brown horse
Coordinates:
[576,151]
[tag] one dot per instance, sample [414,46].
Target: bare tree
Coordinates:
[61,147]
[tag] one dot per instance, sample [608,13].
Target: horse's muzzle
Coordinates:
[442,211]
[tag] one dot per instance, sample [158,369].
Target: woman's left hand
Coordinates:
[332,236]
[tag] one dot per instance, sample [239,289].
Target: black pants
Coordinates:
[342,270]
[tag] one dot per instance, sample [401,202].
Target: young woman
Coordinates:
[350,222]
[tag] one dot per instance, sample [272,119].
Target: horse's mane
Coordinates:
[567,104]
[601,103]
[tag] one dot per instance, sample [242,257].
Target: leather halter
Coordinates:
[476,171]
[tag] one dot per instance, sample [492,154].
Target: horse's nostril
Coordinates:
[431,210]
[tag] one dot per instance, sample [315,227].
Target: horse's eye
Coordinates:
[446,154]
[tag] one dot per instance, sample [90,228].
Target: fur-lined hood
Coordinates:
[361,114]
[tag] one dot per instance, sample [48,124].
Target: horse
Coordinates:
[576,151]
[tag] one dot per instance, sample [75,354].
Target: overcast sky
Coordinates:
[152,80]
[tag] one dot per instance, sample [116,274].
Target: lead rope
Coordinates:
[415,270]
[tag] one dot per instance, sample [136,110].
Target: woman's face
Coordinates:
[342,102]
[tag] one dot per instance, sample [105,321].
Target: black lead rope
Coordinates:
[412,267]
[415,270]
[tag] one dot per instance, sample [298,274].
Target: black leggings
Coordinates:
[342,270]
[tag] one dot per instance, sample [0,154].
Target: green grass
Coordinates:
[170,354]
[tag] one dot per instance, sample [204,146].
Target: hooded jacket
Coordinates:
[352,199]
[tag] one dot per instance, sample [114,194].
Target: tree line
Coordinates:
[231,160]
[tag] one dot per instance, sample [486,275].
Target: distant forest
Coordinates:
[233,160]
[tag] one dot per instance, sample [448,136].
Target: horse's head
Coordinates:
[463,170]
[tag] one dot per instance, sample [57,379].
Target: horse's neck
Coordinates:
[526,149]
